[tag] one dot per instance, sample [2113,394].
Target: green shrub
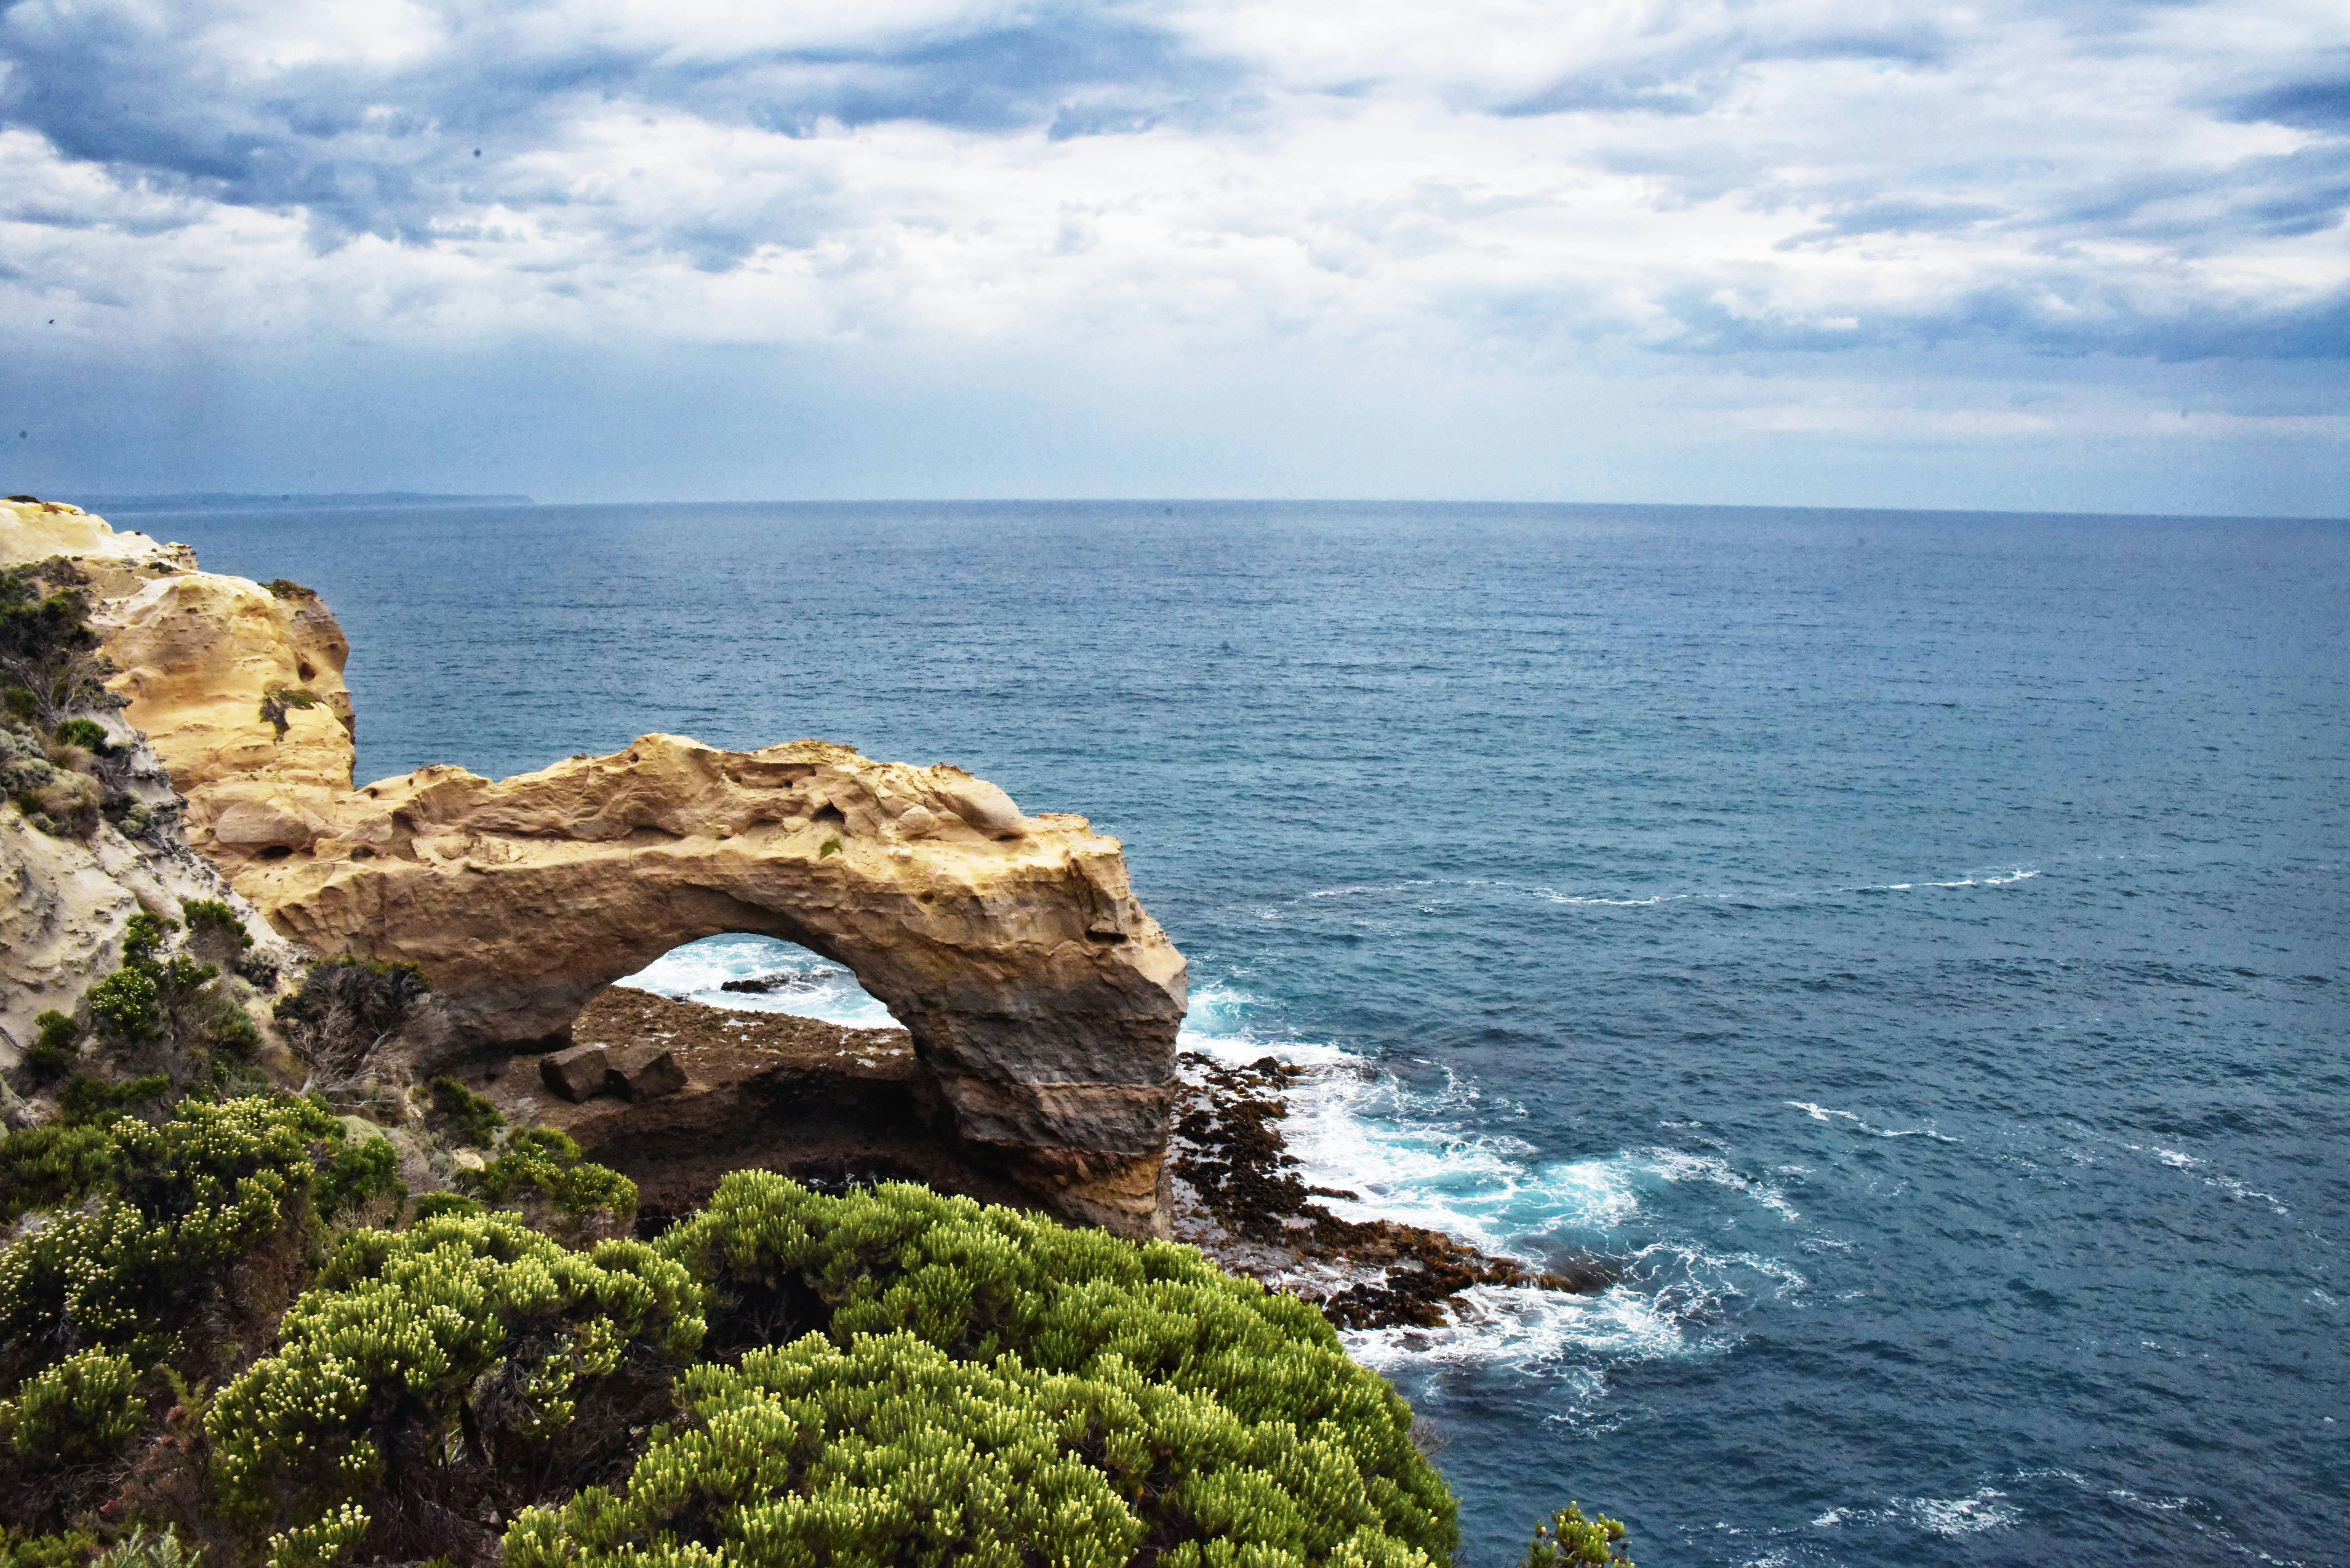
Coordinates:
[47,1166]
[52,1052]
[143,937]
[542,1173]
[465,1336]
[128,1004]
[87,734]
[321,1542]
[228,1027]
[48,652]
[278,701]
[1264,1434]
[165,1008]
[890,1451]
[464,1113]
[885,1453]
[140,1549]
[358,1173]
[1570,1540]
[84,1409]
[160,1214]
[71,1550]
[86,1100]
[215,930]
[891,1378]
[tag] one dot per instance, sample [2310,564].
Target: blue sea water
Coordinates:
[1913,945]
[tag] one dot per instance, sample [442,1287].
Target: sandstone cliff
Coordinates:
[65,898]
[1041,1000]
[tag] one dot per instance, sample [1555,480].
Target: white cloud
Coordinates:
[1655,188]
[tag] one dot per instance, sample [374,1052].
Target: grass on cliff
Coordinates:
[56,766]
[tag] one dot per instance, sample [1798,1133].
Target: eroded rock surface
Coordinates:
[1042,1000]
[64,899]
[816,1101]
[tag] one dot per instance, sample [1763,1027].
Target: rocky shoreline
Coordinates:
[836,1107]
[1237,1197]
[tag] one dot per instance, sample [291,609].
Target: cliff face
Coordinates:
[1041,1000]
[65,898]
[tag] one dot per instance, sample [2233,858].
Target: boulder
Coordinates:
[644,1072]
[574,1074]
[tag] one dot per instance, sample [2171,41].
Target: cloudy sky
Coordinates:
[2015,254]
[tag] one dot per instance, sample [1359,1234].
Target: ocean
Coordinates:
[1912,945]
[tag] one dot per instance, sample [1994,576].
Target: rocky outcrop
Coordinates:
[812,1100]
[1041,1000]
[118,560]
[240,689]
[65,898]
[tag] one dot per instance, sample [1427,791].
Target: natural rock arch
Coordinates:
[1043,1000]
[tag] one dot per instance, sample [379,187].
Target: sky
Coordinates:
[2007,256]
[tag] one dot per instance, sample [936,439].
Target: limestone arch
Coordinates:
[1041,1000]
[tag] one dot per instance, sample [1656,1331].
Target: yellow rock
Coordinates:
[1042,998]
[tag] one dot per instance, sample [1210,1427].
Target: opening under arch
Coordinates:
[750,974]
[787,1065]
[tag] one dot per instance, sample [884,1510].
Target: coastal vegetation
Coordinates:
[230,1333]
[55,763]
[243,1326]
[228,1327]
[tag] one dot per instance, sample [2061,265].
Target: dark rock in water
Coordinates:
[644,1072]
[761,984]
[576,1074]
[757,984]
[1238,1199]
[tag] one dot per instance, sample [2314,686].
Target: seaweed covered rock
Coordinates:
[1238,1197]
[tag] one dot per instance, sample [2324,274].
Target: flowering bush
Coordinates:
[541,1174]
[83,1409]
[1220,1412]
[429,1359]
[1570,1540]
[783,1379]
[161,1214]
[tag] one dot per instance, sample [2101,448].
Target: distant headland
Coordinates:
[221,501]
